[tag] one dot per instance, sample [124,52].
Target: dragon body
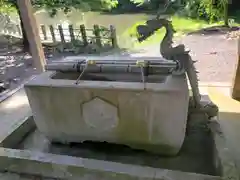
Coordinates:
[177,53]
[183,58]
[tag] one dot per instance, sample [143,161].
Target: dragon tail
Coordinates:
[193,80]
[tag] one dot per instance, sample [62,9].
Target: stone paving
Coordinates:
[216,56]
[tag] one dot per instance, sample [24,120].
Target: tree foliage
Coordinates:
[6,6]
[66,5]
[211,10]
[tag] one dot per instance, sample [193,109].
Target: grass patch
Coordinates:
[182,26]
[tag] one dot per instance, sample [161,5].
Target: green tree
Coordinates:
[209,9]
[66,5]
[214,10]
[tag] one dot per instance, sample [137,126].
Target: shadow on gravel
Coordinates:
[215,30]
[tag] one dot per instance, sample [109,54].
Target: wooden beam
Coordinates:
[236,80]
[30,25]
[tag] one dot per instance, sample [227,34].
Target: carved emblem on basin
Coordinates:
[99,114]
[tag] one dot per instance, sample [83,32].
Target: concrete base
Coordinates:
[69,167]
[66,167]
[14,119]
[150,116]
[228,118]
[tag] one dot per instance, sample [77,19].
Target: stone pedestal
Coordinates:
[150,116]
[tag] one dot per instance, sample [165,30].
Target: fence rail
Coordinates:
[98,35]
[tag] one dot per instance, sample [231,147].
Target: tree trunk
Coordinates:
[163,11]
[226,13]
[26,47]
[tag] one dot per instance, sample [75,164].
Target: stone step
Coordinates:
[224,102]
[174,176]
[14,111]
[229,121]
[68,167]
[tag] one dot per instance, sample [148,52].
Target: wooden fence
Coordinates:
[98,35]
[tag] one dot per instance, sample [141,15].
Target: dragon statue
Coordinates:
[179,54]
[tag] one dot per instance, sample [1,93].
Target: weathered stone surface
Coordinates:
[23,162]
[228,120]
[15,176]
[67,167]
[149,116]
[17,132]
[14,113]
[225,161]
[107,115]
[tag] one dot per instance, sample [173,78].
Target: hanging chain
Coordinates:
[143,77]
[81,74]
[88,62]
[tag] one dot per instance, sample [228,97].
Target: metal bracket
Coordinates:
[142,64]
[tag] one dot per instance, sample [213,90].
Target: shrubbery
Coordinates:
[211,10]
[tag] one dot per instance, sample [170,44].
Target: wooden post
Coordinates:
[96,32]
[113,36]
[52,33]
[84,34]
[236,80]
[60,29]
[44,32]
[70,27]
[30,25]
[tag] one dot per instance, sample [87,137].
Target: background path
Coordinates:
[216,56]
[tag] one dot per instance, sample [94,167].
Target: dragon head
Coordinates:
[151,26]
[168,25]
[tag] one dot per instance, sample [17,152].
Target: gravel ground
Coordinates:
[215,54]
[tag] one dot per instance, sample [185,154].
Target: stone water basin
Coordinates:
[197,155]
[203,156]
[113,108]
